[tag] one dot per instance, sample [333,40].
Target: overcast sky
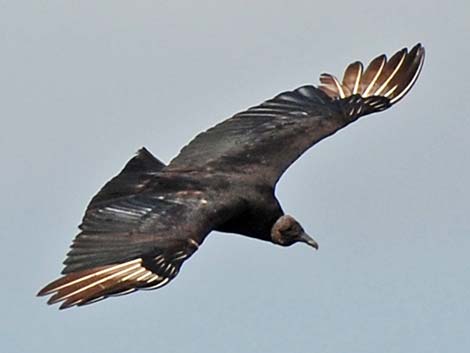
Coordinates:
[83,86]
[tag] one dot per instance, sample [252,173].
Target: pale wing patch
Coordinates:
[331,86]
[393,66]
[372,74]
[391,79]
[410,84]
[91,285]
[352,77]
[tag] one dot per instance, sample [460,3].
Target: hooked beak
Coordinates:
[309,240]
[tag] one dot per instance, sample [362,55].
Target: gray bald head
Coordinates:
[287,231]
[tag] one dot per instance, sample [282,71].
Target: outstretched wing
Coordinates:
[136,233]
[264,140]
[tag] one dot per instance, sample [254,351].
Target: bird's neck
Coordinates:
[256,219]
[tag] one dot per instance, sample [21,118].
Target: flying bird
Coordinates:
[150,218]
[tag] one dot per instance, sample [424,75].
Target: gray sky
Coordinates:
[83,86]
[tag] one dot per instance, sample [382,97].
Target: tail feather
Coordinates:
[391,78]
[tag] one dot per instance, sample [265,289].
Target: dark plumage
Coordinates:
[145,222]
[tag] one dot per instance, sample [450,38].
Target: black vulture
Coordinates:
[145,222]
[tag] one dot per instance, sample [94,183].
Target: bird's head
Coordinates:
[287,231]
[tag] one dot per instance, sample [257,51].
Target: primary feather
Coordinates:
[145,222]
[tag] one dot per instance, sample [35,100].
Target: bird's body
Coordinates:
[145,222]
[256,214]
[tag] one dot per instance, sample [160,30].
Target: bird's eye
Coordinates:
[290,230]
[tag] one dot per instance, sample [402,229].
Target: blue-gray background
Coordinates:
[83,85]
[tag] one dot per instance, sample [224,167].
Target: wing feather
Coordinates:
[133,242]
[264,140]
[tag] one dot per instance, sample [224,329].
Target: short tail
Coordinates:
[390,79]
